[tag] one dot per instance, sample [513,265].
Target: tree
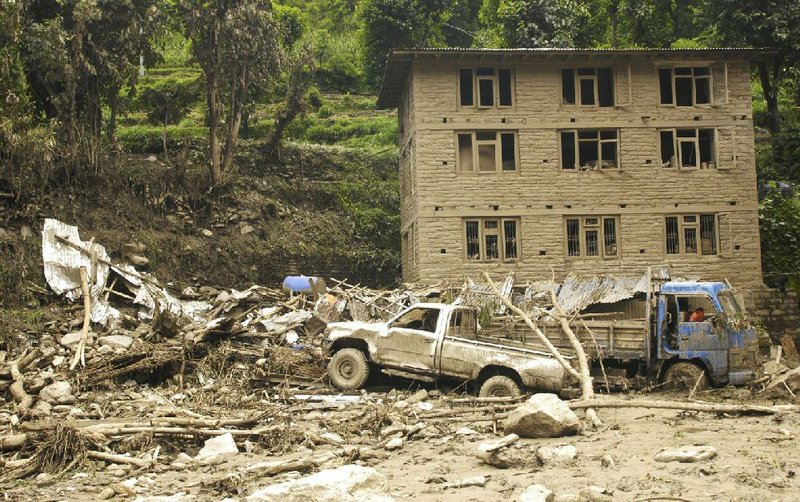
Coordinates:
[300,78]
[236,44]
[766,23]
[536,23]
[389,24]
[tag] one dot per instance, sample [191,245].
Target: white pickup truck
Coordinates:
[431,341]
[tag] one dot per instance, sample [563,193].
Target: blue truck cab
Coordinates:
[721,341]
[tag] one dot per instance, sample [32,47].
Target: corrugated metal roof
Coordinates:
[399,60]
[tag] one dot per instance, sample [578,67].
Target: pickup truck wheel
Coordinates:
[499,386]
[348,369]
[683,375]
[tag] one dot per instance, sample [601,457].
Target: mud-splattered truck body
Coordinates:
[431,341]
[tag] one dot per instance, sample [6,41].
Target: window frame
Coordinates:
[576,149]
[495,78]
[576,86]
[499,231]
[600,228]
[677,152]
[498,154]
[694,78]
[697,225]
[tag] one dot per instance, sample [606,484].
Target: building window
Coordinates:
[587,86]
[688,148]
[691,234]
[486,151]
[485,87]
[685,85]
[491,239]
[592,236]
[589,149]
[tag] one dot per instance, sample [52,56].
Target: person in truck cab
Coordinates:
[698,315]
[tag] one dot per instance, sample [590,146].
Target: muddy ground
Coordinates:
[757,459]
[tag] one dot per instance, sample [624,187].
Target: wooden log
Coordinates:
[301,465]
[17,389]
[677,405]
[13,442]
[113,458]
[26,360]
[80,351]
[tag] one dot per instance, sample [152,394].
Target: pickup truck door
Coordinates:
[409,342]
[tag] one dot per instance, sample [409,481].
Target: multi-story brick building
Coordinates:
[594,161]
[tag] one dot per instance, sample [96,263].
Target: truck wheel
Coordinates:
[684,375]
[499,386]
[348,369]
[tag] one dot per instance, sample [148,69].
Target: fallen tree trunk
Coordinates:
[113,458]
[677,405]
[22,363]
[23,399]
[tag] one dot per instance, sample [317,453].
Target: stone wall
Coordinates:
[541,194]
[778,310]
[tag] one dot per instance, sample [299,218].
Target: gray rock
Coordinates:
[207,232]
[116,341]
[71,339]
[562,454]
[42,409]
[542,416]
[686,454]
[106,493]
[138,260]
[26,231]
[595,494]
[537,493]
[3,234]
[247,229]
[57,393]
[394,444]
[348,483]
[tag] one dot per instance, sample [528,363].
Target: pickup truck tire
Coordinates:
[348,369]
[684,375]
[499,386]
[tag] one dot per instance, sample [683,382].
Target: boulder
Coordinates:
[562,454]
[537,493]
[71,339]
[348,483]
[218,446]
[116,341]
[542,416]
[394,444]
[686,454]
[57,393]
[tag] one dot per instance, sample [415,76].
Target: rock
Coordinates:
[247,229]
[71,339]
[216,446]
[537,493]
[42,409]
[418,396]
[474,481]
[57,393]
[57,361]
[207,232]
[595,494]
[542,416]
[394,444]
[607,461]
[496,454]
[465,431]
[137,260]
[566,497]
[686,454]
[556,454]
[3,234]
[116,341]
[26,232]
[348,483]
[106,493]
[134,248]
[152,158]
[333,437]
[182,457]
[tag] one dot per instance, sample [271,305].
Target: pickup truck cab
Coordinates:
[432,341]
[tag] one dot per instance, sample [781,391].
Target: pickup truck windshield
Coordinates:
[418,318]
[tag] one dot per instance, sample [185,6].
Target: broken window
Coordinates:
[587,86]
[685,85]
[592,236]
[488,151]
[491,239]
[463,322]
[420,318]
[688,148]
[492,87]
[691,234]
[591,148]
